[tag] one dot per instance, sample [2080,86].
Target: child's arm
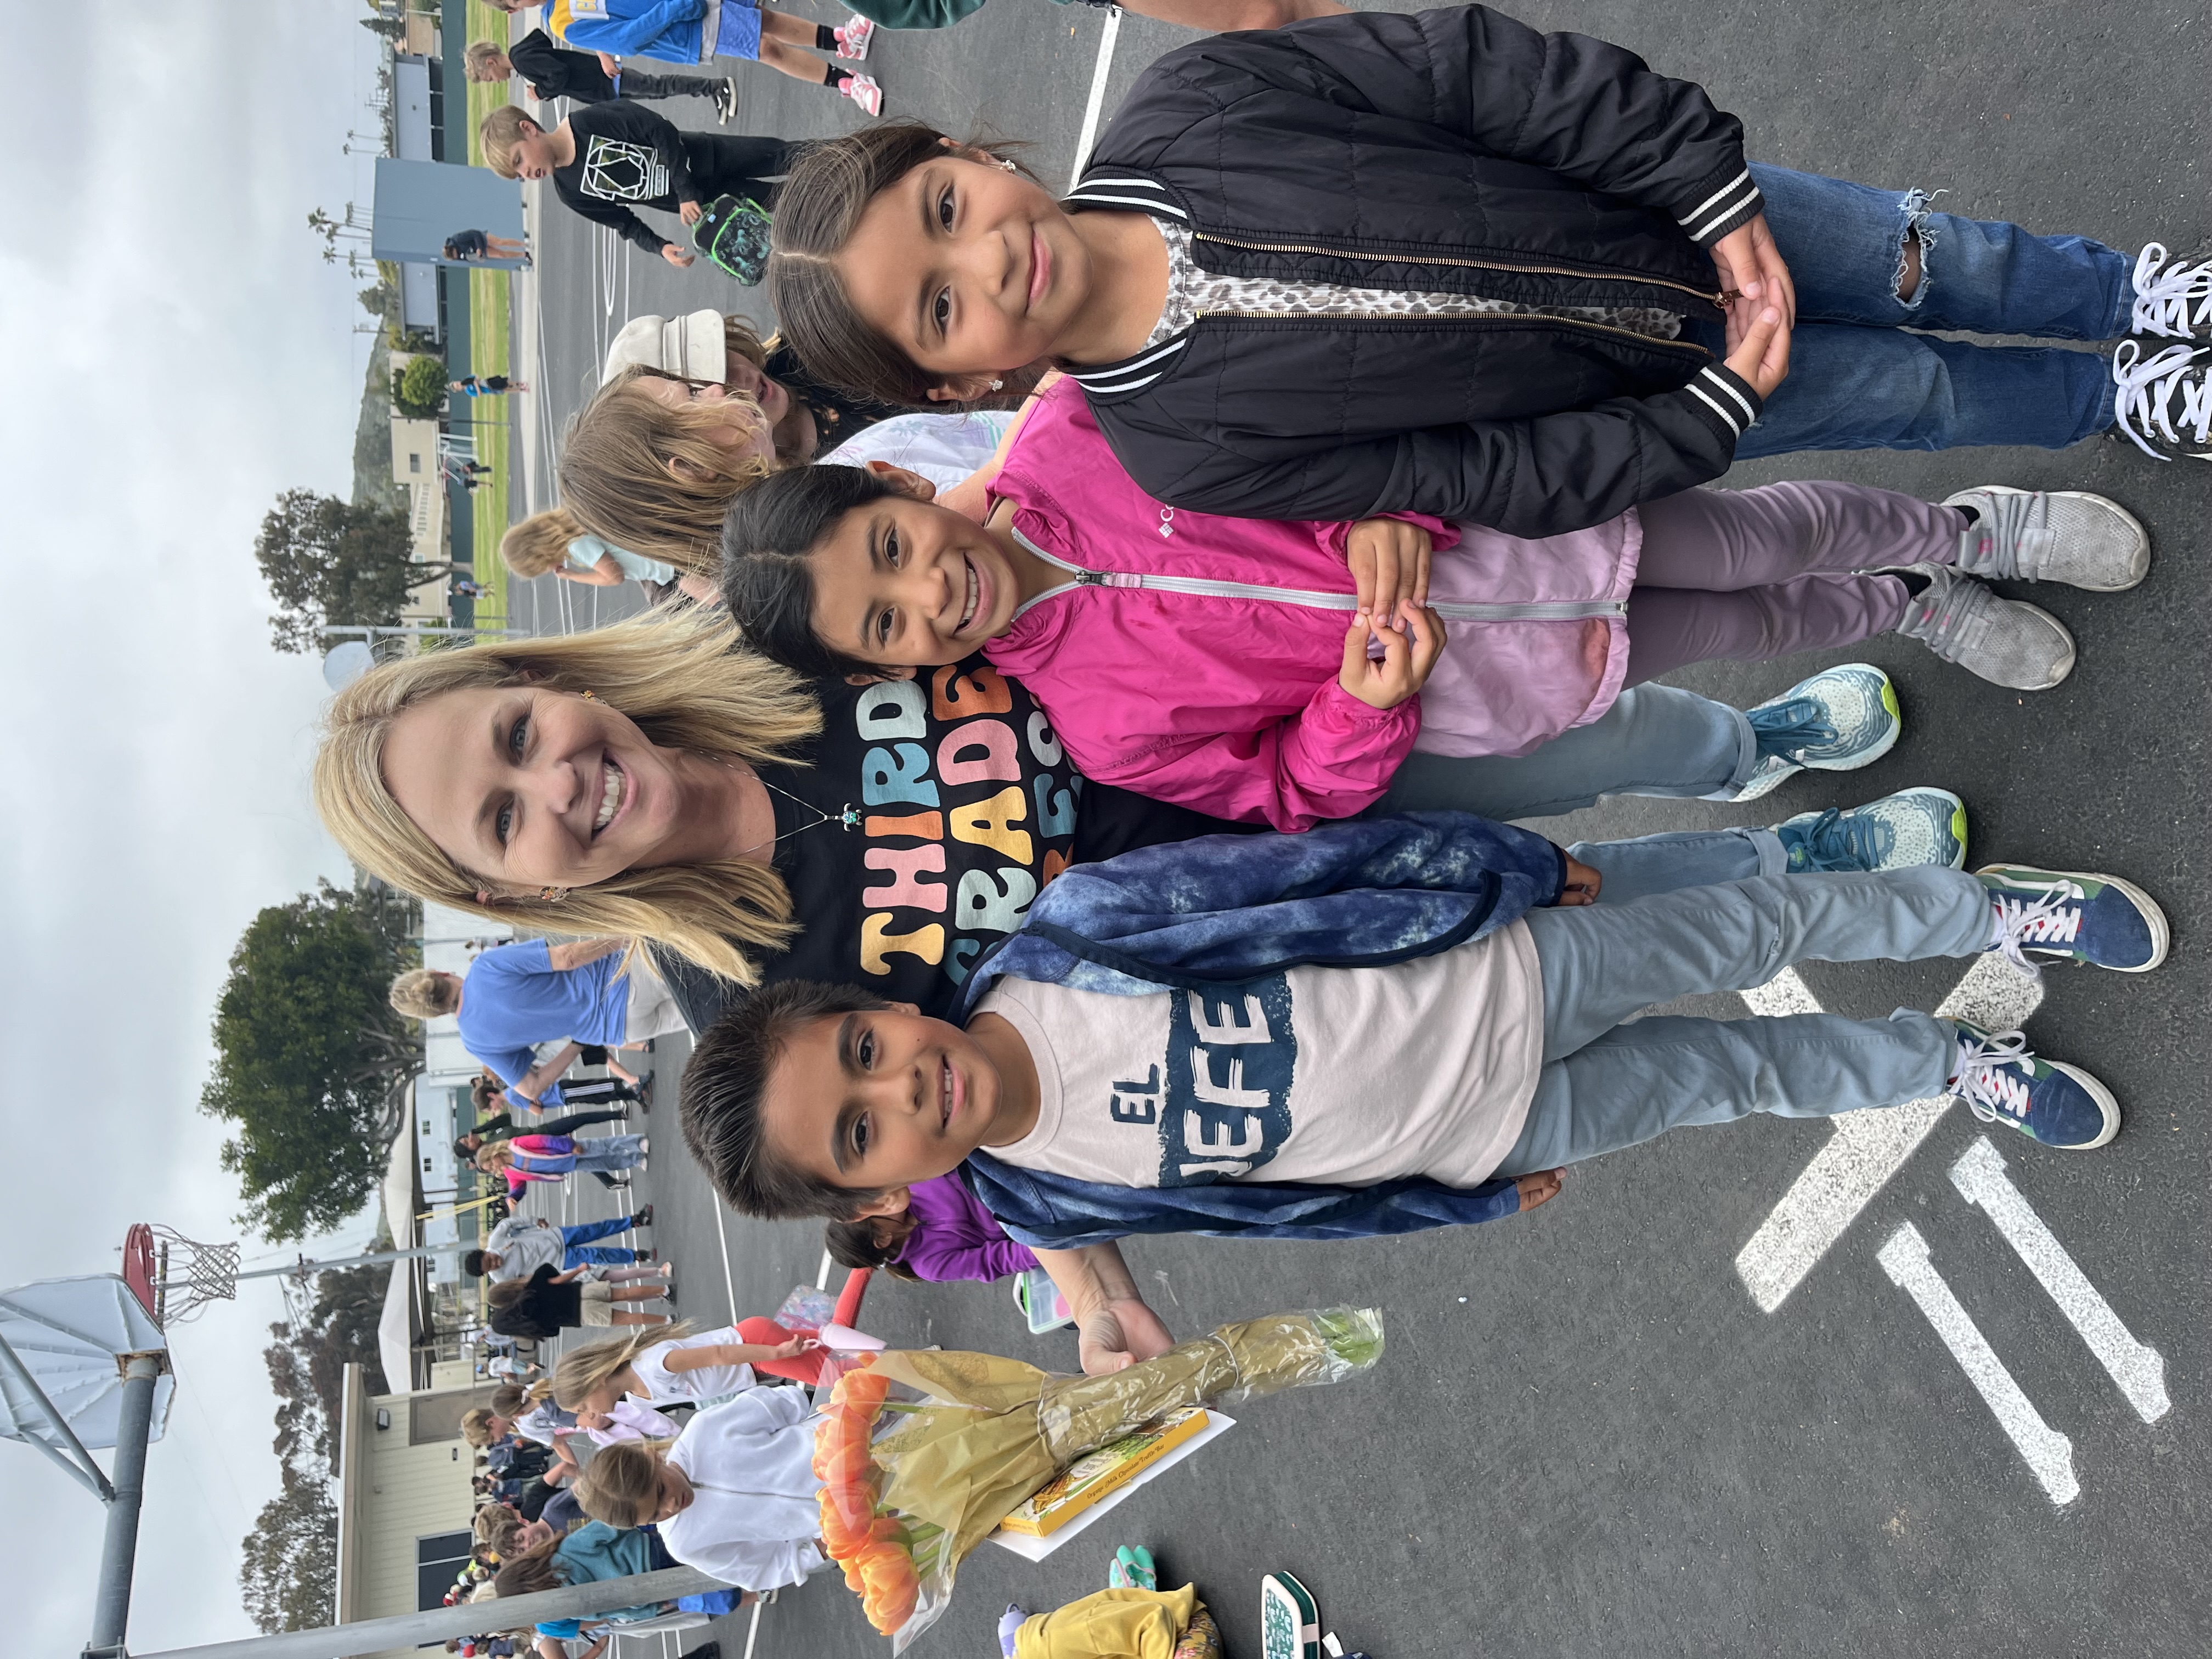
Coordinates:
[1328,760]
[577,952]
[971,497]
[1592,111]
[605,573]
[735,1354]
[540,1078]
[1114,1328]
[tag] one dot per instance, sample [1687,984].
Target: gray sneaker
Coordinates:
[2065,536]
[2006,641]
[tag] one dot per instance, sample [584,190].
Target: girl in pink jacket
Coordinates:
[1280,672]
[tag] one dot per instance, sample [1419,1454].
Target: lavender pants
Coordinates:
[1748,575]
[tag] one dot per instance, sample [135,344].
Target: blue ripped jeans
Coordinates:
[1861,378]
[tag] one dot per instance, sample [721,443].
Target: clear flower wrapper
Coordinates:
[922,1454]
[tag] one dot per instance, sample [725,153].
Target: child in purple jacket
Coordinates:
[943,1234]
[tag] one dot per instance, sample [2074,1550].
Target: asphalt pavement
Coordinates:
[1772,1389]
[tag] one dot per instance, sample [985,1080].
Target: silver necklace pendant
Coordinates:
[849,817]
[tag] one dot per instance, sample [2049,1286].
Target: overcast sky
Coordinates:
[175,353]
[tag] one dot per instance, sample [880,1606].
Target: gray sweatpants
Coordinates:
[1606,1086]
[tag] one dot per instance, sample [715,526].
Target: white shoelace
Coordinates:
[2145,387]
[2173,302]
[1988,1081]
[2054,919]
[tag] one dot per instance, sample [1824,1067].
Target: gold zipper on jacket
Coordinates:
[1471,265]
[1460,316]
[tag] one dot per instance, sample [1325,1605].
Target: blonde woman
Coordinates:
[882,835]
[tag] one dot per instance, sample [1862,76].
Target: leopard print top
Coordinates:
[1192,290]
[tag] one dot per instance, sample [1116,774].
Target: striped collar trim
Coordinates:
[1132,373]
[1116,187]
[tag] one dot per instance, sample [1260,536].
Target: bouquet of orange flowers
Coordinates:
[922,1455]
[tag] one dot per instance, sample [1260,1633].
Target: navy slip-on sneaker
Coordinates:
[2050,1102]
[2075,916]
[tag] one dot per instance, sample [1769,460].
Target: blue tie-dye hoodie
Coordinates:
[1218,911]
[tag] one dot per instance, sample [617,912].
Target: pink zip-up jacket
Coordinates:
[1194,658]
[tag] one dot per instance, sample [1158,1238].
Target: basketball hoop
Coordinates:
[187,1275]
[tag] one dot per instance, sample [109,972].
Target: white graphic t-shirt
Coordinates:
[616,170]
[1327,1076]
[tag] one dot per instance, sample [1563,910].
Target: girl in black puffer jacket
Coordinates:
[1439,262]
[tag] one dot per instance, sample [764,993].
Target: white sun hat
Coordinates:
[690,345]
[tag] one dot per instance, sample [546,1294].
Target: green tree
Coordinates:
[329,561]
[286,1574]
[306,1362]
[418,390]
[311,1061]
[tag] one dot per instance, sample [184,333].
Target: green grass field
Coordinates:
[489,346]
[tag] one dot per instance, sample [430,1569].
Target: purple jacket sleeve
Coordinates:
[956,1238]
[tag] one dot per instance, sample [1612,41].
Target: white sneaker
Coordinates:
[2165,402]
[863,91]
[2172,299]
[854,37]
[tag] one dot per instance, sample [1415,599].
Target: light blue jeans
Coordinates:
[1655,740]
[609,1152]
[1606,1086]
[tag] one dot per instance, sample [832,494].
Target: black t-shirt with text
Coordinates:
[951,805]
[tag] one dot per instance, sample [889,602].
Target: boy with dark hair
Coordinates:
[584,77]
[1377,1027]
[608,159]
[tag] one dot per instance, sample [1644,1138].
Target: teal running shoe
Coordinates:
[1839,720]
[2065,915]
[1911,828]
[2048,1101]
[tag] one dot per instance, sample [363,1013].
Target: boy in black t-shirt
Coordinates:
[608,159]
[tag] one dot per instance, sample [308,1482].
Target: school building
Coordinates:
[404,1500]
[415,469]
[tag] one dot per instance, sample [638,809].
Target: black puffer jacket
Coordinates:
[1454,151]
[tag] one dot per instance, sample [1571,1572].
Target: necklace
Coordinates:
[848,818]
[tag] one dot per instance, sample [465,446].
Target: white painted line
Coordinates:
[822,1275]
[729,1280]
[2139,1371]
[1865,1149]
[2048,1454]
[1099,73]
